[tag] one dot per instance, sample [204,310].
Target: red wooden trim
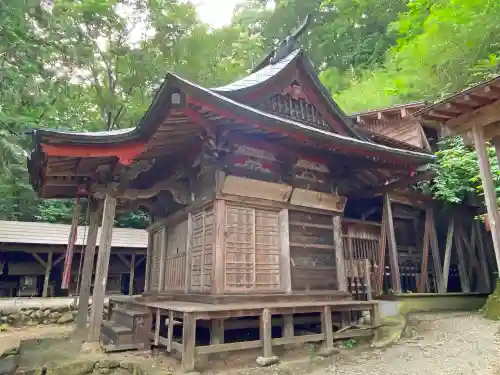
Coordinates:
[296,135]
[125,153]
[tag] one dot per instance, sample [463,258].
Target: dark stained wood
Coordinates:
[101,274]
[381,251]
[393,251]
[482,257]
[462,270]
[436,258]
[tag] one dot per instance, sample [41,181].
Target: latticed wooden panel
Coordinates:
[202,250]
[155,260]
[252,253]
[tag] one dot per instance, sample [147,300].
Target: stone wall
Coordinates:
[36,316]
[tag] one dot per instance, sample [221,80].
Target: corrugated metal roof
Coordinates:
[57,234]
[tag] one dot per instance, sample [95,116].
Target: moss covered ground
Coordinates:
[491,309]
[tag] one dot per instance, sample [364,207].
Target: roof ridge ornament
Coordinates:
[289,44]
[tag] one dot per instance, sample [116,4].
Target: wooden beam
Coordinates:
[338,244]
[424,266]
[482,258]
[88,265]
[188,342]
[48,268]
[368,280]
[148,261]
[68,259]
[39,260]
[101,275]
[393,249]
[124,260]
[132,275]
[286,278]
[489,189]
[462,270]
[447,255]
[436,258]
[480,117]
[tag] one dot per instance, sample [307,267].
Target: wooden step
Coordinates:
[125,316]
[114,327]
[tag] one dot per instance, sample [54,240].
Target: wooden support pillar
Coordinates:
[68,260]
[219,269]
[482,258]
[447,255]
[489,188]
[188,342]
[326,326]
[266,333]
[157,327]
[170,332]
[434,243]
[48,268]
[339,253]
[381,252]
[132,275]
[462,270]
[424,266]
[189,240]
[88,265]
[393,250]
[375,321]
[148,261]
[101,275]
[286,276]
[288,328]
[217,331]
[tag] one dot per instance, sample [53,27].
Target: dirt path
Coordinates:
[438,344]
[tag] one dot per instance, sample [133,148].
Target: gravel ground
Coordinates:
[437,344]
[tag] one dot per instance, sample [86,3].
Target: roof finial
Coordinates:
[288,44]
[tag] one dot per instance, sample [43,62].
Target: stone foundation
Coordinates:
[38,316]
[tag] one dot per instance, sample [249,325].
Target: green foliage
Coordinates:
[458,172]
[491,310]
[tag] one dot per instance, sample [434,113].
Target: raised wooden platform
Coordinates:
[269,309]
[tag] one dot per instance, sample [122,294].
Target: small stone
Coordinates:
[127,366]
[55,315]
[76,368]
[13,350]
[66,318]
[108,363]
[14,317]
[267,361]
[104,370]
[328,352]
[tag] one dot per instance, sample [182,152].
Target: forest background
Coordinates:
[95,64]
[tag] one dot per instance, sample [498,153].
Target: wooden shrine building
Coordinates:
[247,185]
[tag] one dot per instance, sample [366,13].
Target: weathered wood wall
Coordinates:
[201,249]
[252,251]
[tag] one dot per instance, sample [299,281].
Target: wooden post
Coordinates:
[189,240]
[132,275]
[219,269]
[101,275]
[425,257]
[88,265]
[436,259]
[375,321]
[447,255]
[482,258]
[68,259]
[157,327]
[286,276]
[48,268]
[326,323]
[381,252]
[339,253]
[393,250]
[368,280]
[217,331]
[163,255]
[288,328]
[188,342]
[489,188]
[170,332]
[266,334]
[148,261]
[464,278]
